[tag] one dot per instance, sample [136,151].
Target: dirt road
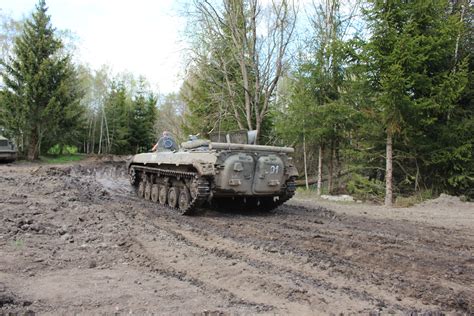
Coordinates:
[75,239]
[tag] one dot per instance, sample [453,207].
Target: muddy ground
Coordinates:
[75,239]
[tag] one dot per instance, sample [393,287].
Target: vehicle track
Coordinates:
[390,264]
[294,260]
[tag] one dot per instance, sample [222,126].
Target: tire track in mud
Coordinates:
[412,270]
[297,259]
[266,261]
[266,266]
[332,264]
[305,282]
[159,264]
[170,257]
[224,270]
[413,264]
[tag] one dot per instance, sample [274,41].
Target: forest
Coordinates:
[376,96]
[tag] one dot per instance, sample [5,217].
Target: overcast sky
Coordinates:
[140,36]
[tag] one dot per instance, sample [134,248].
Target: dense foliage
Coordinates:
[389,97]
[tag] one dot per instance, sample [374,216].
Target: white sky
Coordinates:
[140,36]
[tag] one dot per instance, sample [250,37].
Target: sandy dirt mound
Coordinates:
[75,239]
[444,200]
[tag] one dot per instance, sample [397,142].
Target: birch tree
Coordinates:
[246,44]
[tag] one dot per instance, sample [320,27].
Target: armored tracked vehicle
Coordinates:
[226,172]
[8,152]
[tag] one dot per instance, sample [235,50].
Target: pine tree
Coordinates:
[118,111]
[67,117]
[144,114]
[449,143]
[414,75]
[40,100]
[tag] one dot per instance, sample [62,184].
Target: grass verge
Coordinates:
[58,159]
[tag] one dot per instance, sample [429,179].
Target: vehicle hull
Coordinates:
[233,173]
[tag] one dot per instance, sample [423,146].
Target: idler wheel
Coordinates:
[163,194]
[154,193]
[173,197]
[148,191]
[133,177]
[141,189]
[184,199]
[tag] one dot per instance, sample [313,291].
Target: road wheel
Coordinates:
[173,197]
[163,194]
[154,193]
[194,188]
[147,191]
[184,199]
[141,189]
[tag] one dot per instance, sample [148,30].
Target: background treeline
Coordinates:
[376,96]
[49,103]
[120,114]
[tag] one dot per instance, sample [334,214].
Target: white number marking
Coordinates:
[274,169]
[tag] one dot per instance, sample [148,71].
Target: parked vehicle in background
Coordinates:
[8,152]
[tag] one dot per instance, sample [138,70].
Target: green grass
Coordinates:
[311,192]
[416,198]
[18,243]
[58,159]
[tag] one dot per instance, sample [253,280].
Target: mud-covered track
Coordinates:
[82,227]
[391,264]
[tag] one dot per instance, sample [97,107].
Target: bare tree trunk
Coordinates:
[260,57]
[258,127]
[239,39]
[33,144]
[337,165]
[88,145]
[18,141]
[456,50]
[305,165]
[231,93]
[417,176]
[107,147]
[23,144]
[331,168]
[388,172]
[320,170]
[100,137]
[93,136]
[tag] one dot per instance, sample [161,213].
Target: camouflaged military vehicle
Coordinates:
[8,151]
[227,172]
